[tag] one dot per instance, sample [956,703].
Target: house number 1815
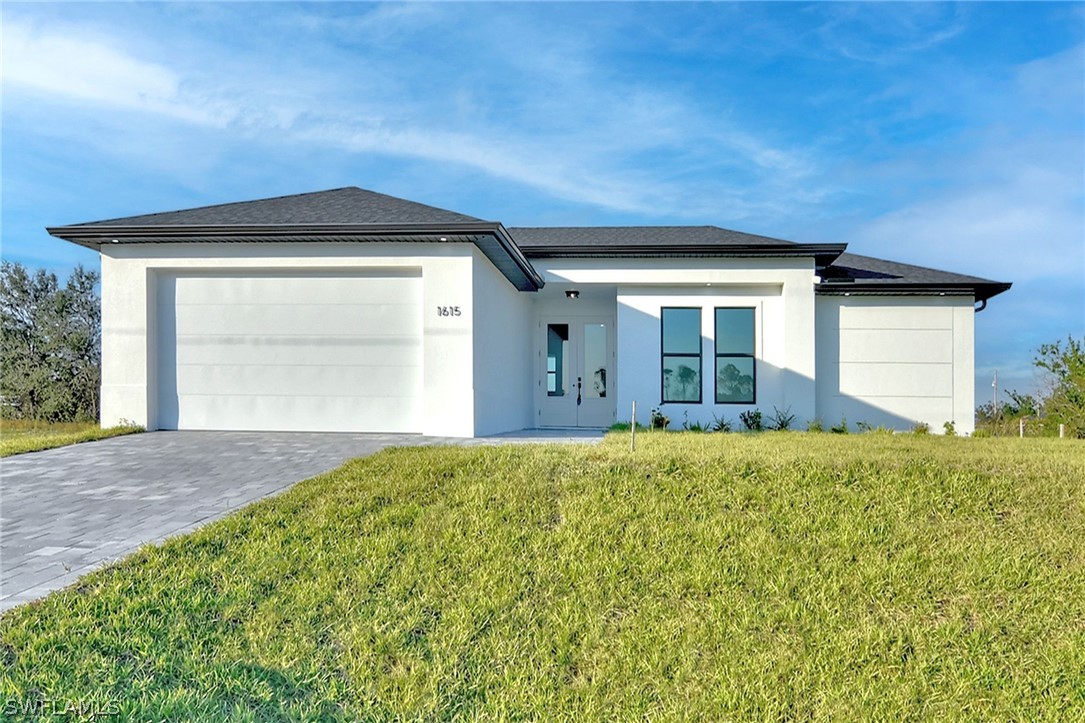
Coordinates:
[448,311]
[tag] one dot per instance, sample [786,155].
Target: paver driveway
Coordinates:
[66,511]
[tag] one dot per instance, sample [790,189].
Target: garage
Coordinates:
[291,351]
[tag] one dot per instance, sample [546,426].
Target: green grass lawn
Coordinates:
[18,436]
[705,577]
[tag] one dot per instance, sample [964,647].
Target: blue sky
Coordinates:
[950,136]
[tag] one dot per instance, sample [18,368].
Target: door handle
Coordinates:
[579,384]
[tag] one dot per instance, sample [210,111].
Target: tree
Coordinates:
[732,385]
[50,344]
[1060,401]
[686,377]
[1064,400]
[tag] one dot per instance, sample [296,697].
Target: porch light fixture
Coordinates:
[572,294]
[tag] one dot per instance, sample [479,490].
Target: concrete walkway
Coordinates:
[67,511]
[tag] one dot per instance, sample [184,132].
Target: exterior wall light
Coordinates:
[572,294]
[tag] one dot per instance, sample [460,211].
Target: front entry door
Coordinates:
[575,388]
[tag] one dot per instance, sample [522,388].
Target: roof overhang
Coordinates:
[823,254]
[980,290]
[491,238]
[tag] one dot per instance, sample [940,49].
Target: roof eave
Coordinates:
[95,236]
[981,290]
[823,254]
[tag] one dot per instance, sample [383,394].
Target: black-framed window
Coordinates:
[736,367]
[680,351]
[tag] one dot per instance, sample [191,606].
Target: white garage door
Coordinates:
[317,351]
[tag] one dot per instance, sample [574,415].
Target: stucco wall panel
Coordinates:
[503,364]
[896,361]
[784,348]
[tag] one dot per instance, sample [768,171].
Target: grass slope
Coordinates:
[704,577]
[18,436]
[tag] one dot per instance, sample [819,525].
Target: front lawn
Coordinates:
[18,436]
[705,577]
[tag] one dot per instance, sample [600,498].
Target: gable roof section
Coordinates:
[855,274]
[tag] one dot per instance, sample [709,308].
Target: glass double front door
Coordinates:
[576,374]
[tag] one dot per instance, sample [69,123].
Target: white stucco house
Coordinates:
[349,310]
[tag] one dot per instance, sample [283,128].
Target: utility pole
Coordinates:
[994,385]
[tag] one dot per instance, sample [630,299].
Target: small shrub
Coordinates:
[921,428]
[982,434]
[867,428]
[841,428]
[815,425]
[751,420]
[782,419]
[721,424]
[695,427]
[659,419]
[950,429]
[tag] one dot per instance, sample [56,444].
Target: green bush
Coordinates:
[782,419]
[721,424]
[751,420]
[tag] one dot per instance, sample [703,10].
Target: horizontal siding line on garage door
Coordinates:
[254,337]
[227,365]
[261,395]
[309,302]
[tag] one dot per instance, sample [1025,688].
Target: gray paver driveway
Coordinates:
[67,511]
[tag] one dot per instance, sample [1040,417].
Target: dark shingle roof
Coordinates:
[660,241]
[855,273]
[340,205]
[565,236]
[355,214]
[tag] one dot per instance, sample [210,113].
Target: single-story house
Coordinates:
[350,310]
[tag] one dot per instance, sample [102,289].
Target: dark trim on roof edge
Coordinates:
[980,290]
[94,236]
[824,254]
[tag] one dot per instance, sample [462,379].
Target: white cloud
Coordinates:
[1004,198]
[564,127]
[888,32]
[95,72]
